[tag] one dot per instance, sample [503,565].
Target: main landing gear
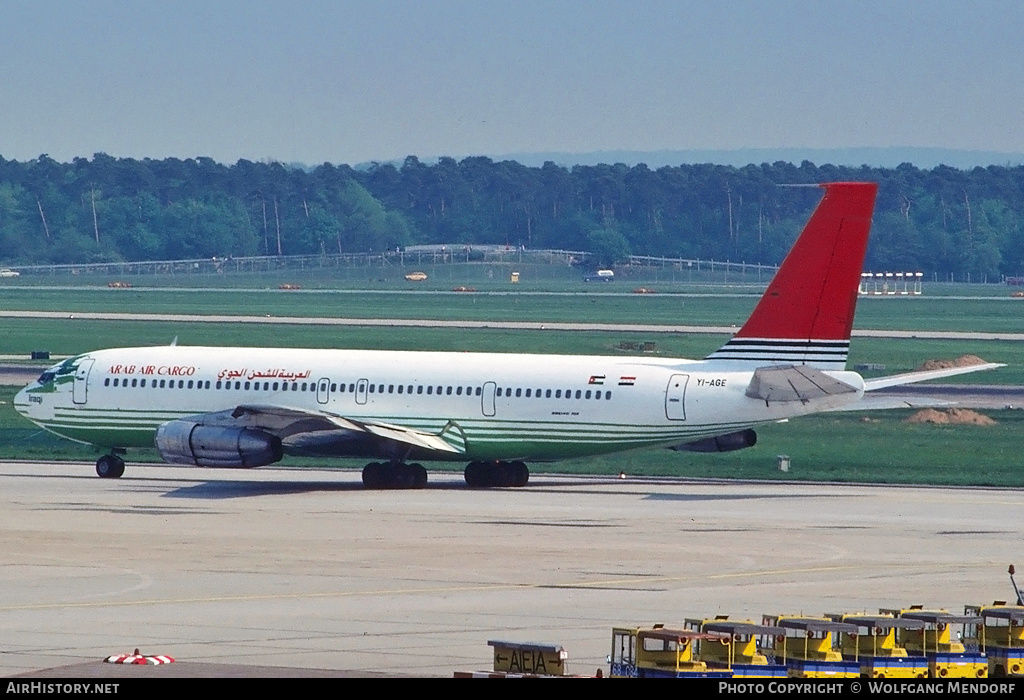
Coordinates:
[399,475]
[394,475]
[110,466]
[482,474]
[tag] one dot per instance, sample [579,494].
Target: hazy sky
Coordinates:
[347,82]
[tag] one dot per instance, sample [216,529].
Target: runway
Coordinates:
[255,571]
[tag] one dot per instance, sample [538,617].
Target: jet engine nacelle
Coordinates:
[721,443]
[186,442]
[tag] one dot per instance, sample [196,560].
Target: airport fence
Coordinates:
[564,263]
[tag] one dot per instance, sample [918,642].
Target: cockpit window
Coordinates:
[47,376]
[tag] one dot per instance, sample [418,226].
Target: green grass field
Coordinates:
[553,276]
[837,447]
[73,336]
[979,314]
[537,273]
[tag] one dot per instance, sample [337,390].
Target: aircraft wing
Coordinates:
[925,375]
[315,431]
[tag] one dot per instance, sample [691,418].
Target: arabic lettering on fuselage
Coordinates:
[280,374]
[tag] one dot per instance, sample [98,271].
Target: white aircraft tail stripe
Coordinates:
[821,354]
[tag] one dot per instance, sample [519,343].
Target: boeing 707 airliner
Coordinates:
[248,407]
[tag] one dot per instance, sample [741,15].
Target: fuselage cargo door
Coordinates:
[675,397]
[361,388]
[323,390]
[487,398]
[80,391]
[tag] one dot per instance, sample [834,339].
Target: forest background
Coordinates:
[943,221]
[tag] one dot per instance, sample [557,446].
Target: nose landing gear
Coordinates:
[110,466]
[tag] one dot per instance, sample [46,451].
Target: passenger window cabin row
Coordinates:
[417,389]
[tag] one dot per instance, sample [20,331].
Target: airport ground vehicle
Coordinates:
[741,651]
[661,653]
[947,658]
[873,646]
[999,636]
[897,643]
[808,647]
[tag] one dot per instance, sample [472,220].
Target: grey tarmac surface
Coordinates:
[273,571]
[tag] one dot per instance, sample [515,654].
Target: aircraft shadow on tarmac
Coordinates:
[215,490]
[206,489]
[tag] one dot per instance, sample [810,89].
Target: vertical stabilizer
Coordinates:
[805,315]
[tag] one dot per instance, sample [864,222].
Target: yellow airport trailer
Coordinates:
[660,653]
[808,647]
[873,646]
[742,650]
[1000,636]
[947,658]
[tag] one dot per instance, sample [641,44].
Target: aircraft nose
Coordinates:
[21,402]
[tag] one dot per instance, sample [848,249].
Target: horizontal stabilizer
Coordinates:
[888,403]
[925,375]
[794,383]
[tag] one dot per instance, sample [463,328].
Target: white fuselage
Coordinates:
[508,406]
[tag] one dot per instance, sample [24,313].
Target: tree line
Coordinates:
[942,220]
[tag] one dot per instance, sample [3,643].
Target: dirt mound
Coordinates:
[958,416]
[963,361]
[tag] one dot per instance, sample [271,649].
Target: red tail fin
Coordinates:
[806,314]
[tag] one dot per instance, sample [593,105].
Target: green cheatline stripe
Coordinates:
[409,421]
[170,413]
[98,431]
[503,449]
[484,432]
[99,428]
[116,415]
[415,422]
[424,423]
[514,445]
[105,423]
[155,420]
[485,437]
[140,411]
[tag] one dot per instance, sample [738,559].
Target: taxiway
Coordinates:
[238,572]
